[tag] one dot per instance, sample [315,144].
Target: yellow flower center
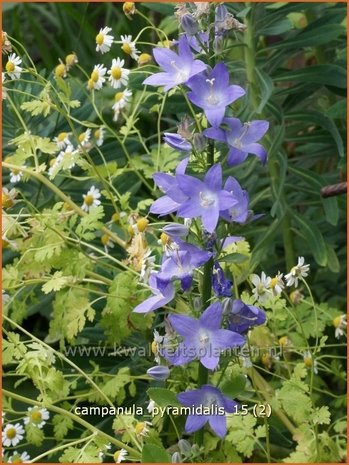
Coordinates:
[16,459]
[144,58]
[126,48]
[164,238]
[99,39]
[142,224]
[90,84]
[283,341]
[11,433]
[130,230]
[52,162]
[35,416]
[104,238]
[154,347]
[116,72]
[116,455]
[97,133]
[60,70]
[129,8]
[61,136]
[274,282]
[118,96]
[337,321]
[67,206]
[70,59]
[308,362]
[15,172]
[10,67]
[95,75]
[89,200]
[6,201]
[266,359]
[81,137]
[139,428]
[115,218]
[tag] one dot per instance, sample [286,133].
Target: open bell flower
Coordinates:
[178,67]
[212,92]
[162,295]
[203,339]
[241,139]
[211,398]
[242,317]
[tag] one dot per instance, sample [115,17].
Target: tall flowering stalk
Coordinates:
[205,202]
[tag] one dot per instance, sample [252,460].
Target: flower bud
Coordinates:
[176,230]
[296,296]
[189,24]
[221,14]
[144,59]
[199,142]
[71,60]
[159,372]
[60,70]
[184,447]
[218,45]
[176,458]
[142,224]
[129,8]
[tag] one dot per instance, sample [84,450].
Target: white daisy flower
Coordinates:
[309,361]
[12,67]
[118,75]
[8,198]
[99,136]
[150,406]
[19,458]
[91,199]
[15,175]
[277,284]
[97,78]
[107,242]
[84,137]
[129,47]
[120,455]
[62,140]
[261,291]
[121,100]
[142,429]
[67,157]
[103,40]
[298,271]
[3,89]
[37,416]
[340,323]
[12,434]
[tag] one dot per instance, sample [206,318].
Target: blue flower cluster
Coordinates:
[210,200]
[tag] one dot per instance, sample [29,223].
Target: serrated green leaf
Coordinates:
[152,453]
[163,397]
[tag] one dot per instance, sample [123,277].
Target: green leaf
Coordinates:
[234,258]
[61,425]
[234,386]
[331,75]
[163,397]
[265,84]
[315,240]
[57,282]
[321,120]
[331,210]
[152,453]
[333,262]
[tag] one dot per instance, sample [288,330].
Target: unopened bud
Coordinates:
[176,230]
[144,59]
[218,45]
[189,24]
[160,372]
[199,142]
[129,8]
[184,447]
[221,14]
[176,458]
[60,70]
[142,224]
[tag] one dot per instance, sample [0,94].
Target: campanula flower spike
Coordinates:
[203,339]
[212,92]
[178,68]
[241,139]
